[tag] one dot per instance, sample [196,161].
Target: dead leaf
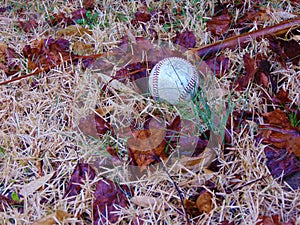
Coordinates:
[250,68]
[204,202]
[268,220]
[147,147]
[148,201]
[142,15]
[81,174]
[5,202]
[34,185]
[219,25]
[218,65]
[282,97]
[287,51]
[94,125]
[226,222]
[277,118]
[256,14]
[89,4]
[108,197]
[47,53]
[74,30]
[3,51]
[52,219]
[191,207]
[284,143]
[29,25]
[8,59]
[81,48]
[185,39]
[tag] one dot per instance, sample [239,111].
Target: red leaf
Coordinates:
[60,18]
[286,50]
[81,174]
[28,25]
[226,222]
[219,25]
[186,39]
[284,143]
[108,197]
[218,65]
[47,53]
[89,4]
[78,14]
[101,125]
[142,15]
[269,220]
[282,97]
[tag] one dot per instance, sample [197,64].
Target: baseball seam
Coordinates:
[155,79]
[191,85]
[187,89]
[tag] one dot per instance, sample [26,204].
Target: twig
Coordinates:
[177,189]
[278,29]
[40,70]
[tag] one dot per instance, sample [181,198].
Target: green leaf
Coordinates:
[15,197]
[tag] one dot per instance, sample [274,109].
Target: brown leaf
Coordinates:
[60,18]
[58,215]
[94,125]
[8,61]
[282,97]
[191,207]
[102,126]
[81,48]
[277,118]
[262,74]
[147,146]
[3,51]
[250,67]
[73,30]
[81,174]
[256,14]
[268,220]
[204,202]
[89,4]
[34,185]
[149,201]
[219,25]
[108,197]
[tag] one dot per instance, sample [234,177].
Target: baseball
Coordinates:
[174,80]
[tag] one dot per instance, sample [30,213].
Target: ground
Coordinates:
[54,154]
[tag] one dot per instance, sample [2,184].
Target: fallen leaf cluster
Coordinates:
[47,53]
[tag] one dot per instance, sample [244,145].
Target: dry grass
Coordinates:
[39,115]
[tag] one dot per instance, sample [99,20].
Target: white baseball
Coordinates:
[174,80]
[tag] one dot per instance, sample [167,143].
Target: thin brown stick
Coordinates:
[232,42]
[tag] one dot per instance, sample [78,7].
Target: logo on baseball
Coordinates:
[173,80]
